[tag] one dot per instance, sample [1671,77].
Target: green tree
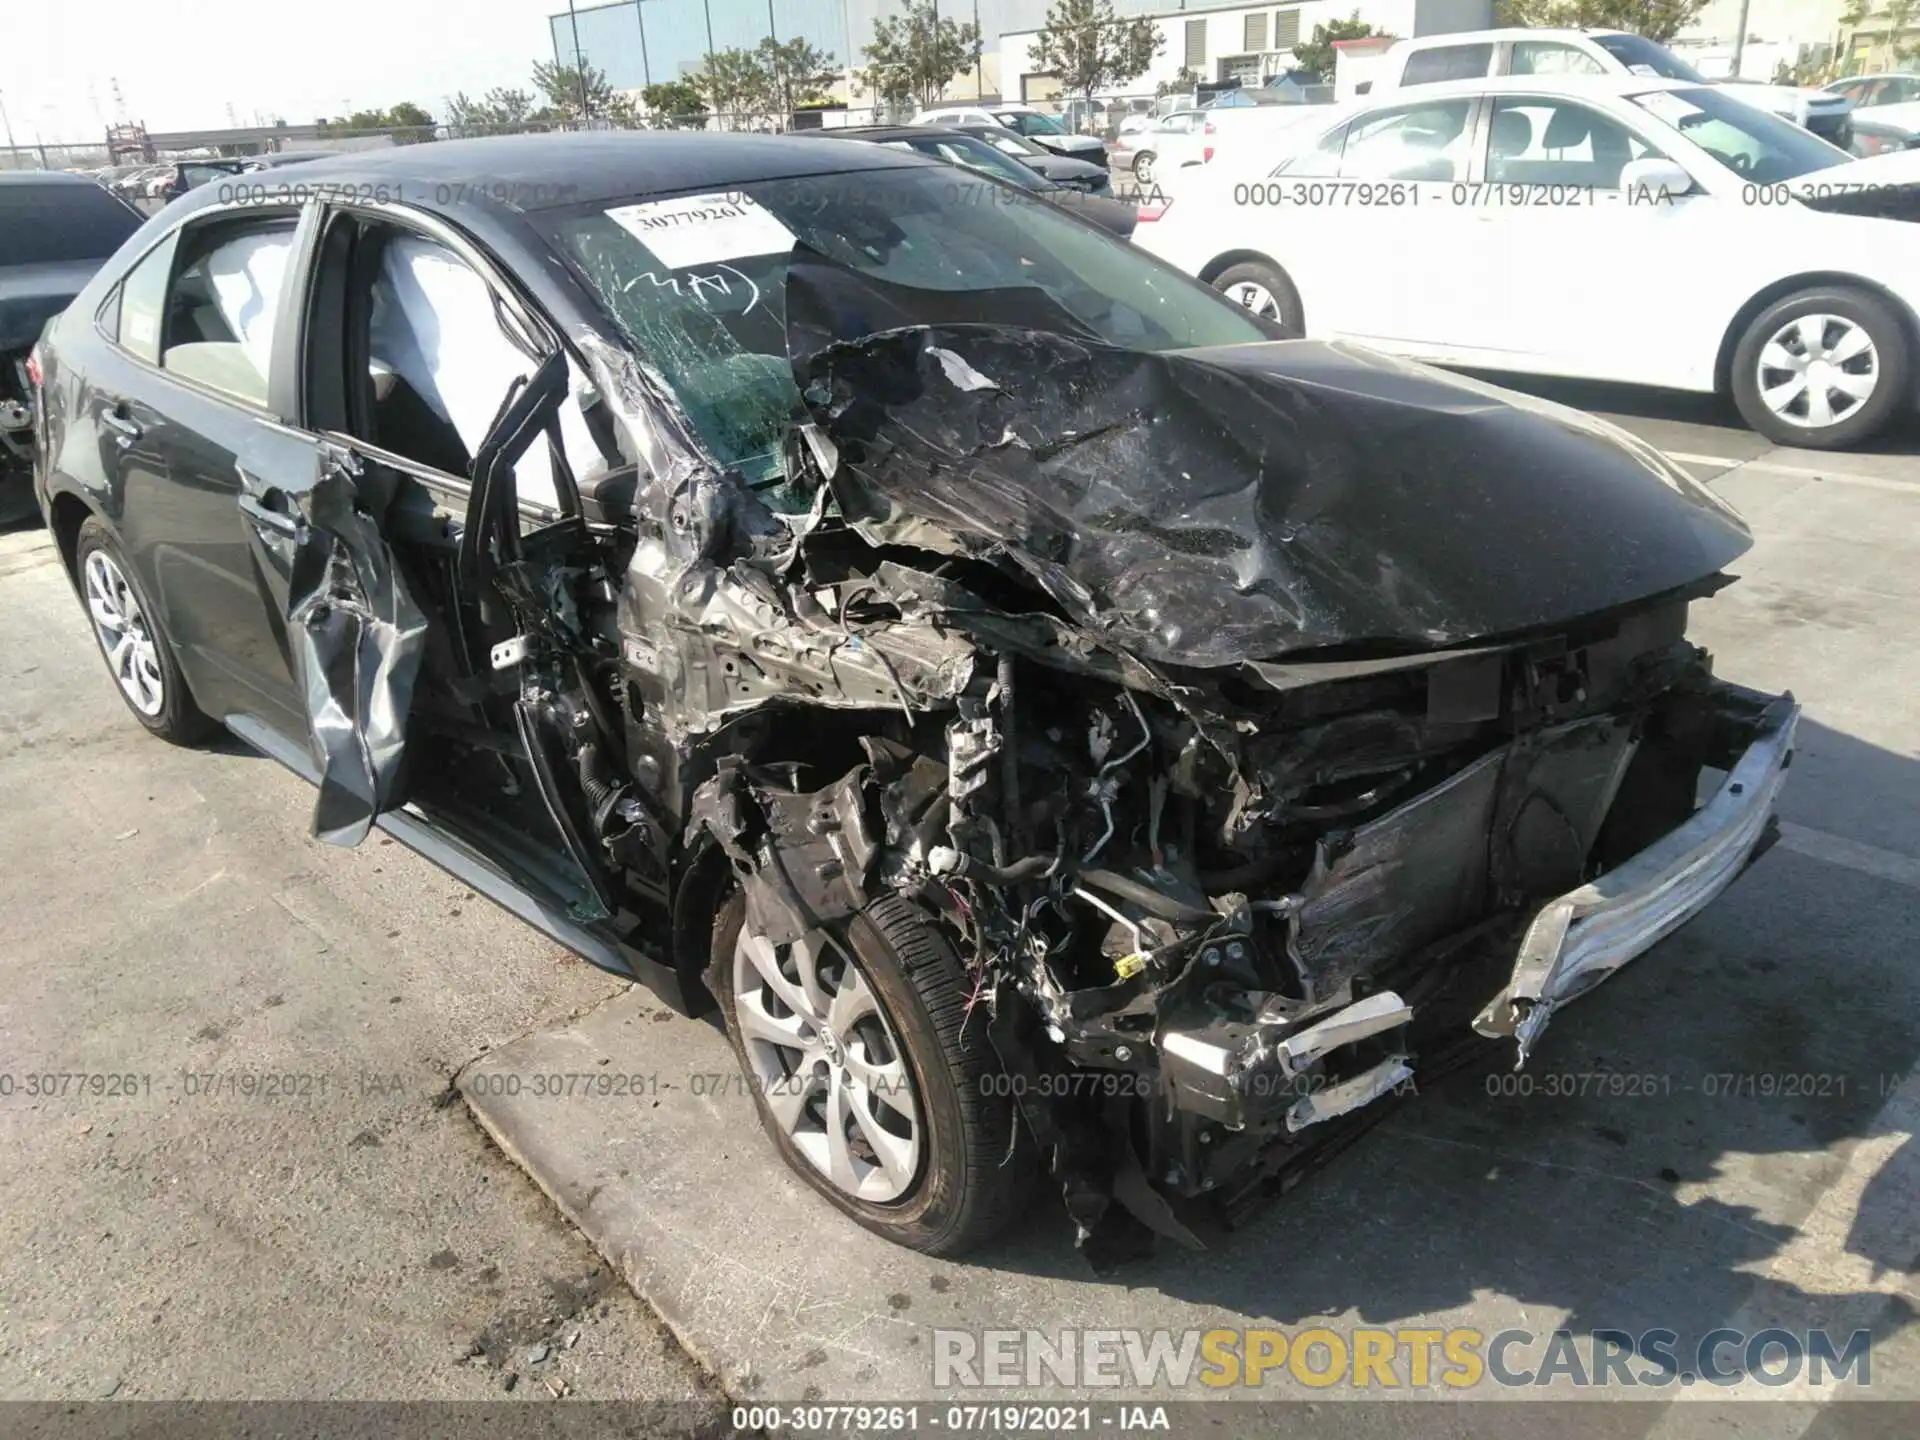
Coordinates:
[675,105]
[914,56]
[794,72]
[1656,19]
[1090,49]
[499,111]
[581,93]
[1181,84]
[733,81]
[406,122]
[1317,55]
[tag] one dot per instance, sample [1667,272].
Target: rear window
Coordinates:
[1447,62]
[46,224]
[1642,56]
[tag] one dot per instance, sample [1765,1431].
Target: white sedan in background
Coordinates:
[1614,228]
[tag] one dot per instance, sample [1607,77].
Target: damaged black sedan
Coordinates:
[1069,731]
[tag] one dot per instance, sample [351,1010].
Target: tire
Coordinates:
[148,676]
[1143,168]
[1266,277]
[974,1165]
[1766,363]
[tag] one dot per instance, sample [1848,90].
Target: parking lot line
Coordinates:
[1851,854]
[1768,467]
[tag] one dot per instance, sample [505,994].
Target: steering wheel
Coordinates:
[1741,161]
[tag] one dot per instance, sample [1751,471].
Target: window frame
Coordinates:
[524,312]
[288,315]
[1490,105]
[1514,48]
[1495,61]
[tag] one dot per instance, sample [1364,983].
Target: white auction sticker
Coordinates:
[699,229]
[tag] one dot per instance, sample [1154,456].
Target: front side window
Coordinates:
[1761,148]
[1552,57]
[1447,62]
[1027,123]
[723,292]
[1558,142]
[1415,142]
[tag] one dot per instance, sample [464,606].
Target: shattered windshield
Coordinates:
[723,292]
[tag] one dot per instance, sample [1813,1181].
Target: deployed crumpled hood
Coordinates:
[1208,507]
[31,295]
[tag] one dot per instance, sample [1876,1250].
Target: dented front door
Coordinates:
[349,630]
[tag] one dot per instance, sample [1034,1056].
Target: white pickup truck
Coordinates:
[1471,54]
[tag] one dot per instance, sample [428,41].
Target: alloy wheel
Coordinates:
[1257,298]
[828,1064]
[123,633]
[1817,370]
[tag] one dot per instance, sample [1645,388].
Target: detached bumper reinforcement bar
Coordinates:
[1584,936]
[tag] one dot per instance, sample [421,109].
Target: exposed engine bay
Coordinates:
[1186,692]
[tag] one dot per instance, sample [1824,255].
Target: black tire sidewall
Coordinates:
[1147,179]
[1891,340]
[180,721]
[1277,284]
[937,1214]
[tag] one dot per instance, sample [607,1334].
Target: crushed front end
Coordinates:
[1212,937]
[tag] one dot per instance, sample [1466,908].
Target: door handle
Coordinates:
[256,508]
[115,418]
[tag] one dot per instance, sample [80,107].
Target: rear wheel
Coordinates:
[136,649]
[1264,289]
[1143,168]
[868,1077]
[1823,369]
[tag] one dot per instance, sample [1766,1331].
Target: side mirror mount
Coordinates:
[1654,181]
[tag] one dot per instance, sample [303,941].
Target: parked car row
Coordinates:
[55,230]
[1070,737]
[1611,227]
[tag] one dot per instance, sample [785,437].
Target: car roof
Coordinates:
[1511,32]
[44,177]
[884,132]
[1589,86]
[552,170]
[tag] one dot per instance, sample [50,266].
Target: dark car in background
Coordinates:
[979,154]
[1060,169]
[1065,731]
[55,230]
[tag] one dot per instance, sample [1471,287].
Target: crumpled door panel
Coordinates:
[356,637]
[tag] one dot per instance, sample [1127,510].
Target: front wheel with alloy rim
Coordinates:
[132,641]
[1266,291]
[1143,168]
[868,1078]
[1823,369]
